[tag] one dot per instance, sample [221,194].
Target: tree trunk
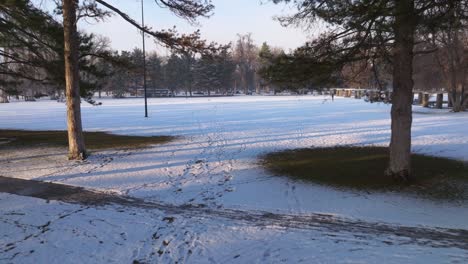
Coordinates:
[389,100]
[464,100]
[425,101]
[464,103]
[76,144]
[3,97]
[401,113]
[439,101]
[457,101]
[420,98]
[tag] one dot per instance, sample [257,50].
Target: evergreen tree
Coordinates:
[188,9]
[176,75]
[227,67]
[207,74]
[214,72]
[32,51]
[155,71]
[365,30]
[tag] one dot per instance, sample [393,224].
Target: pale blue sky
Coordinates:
[230,17]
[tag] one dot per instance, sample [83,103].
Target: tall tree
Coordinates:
[76,144]
[245,55]
[188,9]
[226,67]
[212,72]
[155,73]
[452,62]
[365,30]
[177,75]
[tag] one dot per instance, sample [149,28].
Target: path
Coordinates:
[433,237]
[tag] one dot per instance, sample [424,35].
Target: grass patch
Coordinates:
[363,168]
[93,140]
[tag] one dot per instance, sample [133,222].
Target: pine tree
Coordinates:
[227,67]
[188,9]
[365,30]
[155,72]
[176,74]
[207,74]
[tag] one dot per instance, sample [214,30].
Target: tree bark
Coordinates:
[425,101]
[464,103]
[3,97]
[439,101]
[76,145]
[457,101]
[420,98]
[401,113]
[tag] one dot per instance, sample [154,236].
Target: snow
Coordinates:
[78,234]
[215,164]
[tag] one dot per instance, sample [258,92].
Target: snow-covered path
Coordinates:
[52,232]
[176,233]
[215,166]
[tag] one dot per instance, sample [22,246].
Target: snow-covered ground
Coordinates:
[215,165]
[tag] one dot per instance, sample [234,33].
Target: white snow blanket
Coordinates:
[214,164]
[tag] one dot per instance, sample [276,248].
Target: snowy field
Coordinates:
[214,166]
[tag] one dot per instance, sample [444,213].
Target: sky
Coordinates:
[230,17]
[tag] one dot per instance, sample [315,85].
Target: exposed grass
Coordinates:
[363,168]
[93,140]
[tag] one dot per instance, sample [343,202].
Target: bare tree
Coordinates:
[452,58]
[246,57]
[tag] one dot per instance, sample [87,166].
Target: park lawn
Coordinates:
[362,168]
[93,140]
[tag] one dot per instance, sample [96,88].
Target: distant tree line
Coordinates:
[32,64]
[32,59]
[236,68]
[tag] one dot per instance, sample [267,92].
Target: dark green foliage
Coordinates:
[32,49]
[178,72]
[362,168]
[298,70]
[154,67]
[29,39]
[227,67]
[359,31]
[214,72]
[207,74]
